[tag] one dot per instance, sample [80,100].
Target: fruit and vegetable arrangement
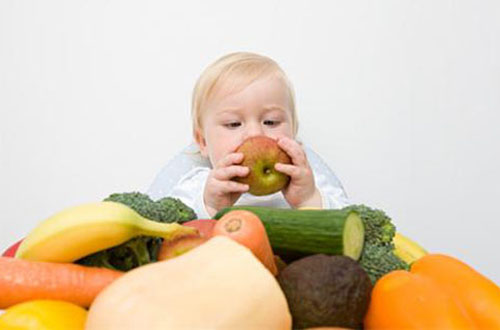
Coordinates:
[129,262]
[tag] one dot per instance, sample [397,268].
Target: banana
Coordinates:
[85,229]
[406,249]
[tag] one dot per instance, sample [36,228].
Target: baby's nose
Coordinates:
[254,130]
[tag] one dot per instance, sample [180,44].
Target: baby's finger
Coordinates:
[228,187]
[226,173]
[230,159]
[291,170]
[294,150]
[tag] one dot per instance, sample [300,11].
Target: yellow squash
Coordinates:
[43,315]
[406,249]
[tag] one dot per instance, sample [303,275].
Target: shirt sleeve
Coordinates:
[332,192]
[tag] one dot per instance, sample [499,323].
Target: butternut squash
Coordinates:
[218,285]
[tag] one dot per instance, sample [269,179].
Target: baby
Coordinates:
[239,96]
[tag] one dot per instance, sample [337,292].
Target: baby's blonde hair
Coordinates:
[243,68]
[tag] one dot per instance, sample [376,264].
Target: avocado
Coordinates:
[326,290]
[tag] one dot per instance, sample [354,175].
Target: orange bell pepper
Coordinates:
[402,300]
[439,292]
[478,295]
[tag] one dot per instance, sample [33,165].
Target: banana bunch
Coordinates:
[406,249]
[85,229]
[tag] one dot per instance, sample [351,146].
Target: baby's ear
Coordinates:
[201,142]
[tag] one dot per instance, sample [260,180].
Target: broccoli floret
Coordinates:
[167,209]
[379,228]
[143,249]
[378,260]
[175,210]
[377,257]
[139,202]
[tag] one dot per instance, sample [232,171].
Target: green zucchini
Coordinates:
[297,233]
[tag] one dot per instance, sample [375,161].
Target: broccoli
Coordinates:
[377,257]
[379,228]
[143,249]
[173,209]
[167,209]
[124,257]
[378,260]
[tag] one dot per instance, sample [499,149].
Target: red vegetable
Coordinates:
[172,249]
[11,251]
[204,226]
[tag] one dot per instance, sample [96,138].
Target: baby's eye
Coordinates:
[234,124]
[271,122]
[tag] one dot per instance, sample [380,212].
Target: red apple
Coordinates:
[179,246]
[204,226]
[260,155]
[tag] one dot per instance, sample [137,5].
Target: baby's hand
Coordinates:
[220,191]
[301,191]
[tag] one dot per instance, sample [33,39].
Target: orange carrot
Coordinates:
[247,229]
[23,280]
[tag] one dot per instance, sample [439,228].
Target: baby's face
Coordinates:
[261,108]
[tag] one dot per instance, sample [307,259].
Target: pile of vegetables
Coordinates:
[76,253]
[411,288]
[358,231]
[131,262]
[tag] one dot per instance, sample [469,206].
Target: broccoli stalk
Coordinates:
[143,249]
[377,257]
[126,256]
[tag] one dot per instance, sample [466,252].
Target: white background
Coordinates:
[401,98]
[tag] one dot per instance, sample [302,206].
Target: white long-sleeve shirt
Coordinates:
[185,176]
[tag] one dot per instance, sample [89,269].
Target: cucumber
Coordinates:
[297,233]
